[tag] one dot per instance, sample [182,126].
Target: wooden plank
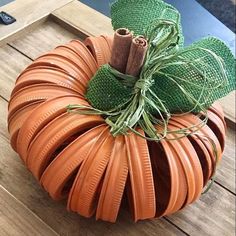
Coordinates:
[28,13]
[225,174]
[16,178]
[229,105]
[213,214]
[12,63]
[84,19]
[16,219]
[50,33]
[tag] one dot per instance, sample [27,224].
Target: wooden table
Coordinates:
[25,209]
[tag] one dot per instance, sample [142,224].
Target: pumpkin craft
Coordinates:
[74,150]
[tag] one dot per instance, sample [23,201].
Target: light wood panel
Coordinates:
[213,214]
[16,219]
[229,105]
[84,19]
[12,63]
[43,39]
[29,14]
[225,174]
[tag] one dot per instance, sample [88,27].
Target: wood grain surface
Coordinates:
[229,105]
[213,214]
[225,174]
[17,219]
[88,22]
[28,14]
[12,63]
[48,35]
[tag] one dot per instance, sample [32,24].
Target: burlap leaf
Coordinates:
[205,91]
[105,91]
[137,15]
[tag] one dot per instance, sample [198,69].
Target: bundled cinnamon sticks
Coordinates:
[128,52]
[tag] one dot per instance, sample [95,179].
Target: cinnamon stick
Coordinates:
[137,54]
[120,49]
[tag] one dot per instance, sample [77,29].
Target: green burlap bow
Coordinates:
[174,79]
